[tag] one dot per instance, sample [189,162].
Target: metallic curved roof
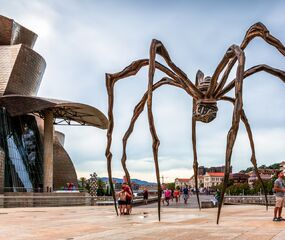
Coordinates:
[65,111]
[13,33]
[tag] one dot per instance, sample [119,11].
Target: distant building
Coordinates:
[200,179]
[202,170]
[282,166]
[212,179]
[181,182]
[265,174]
[239,177]
[149,187]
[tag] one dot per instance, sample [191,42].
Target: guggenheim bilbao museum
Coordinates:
[32,157]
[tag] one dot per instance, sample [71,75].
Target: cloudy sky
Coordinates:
[82,40]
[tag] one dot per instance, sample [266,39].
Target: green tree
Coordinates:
[239,188]
[274,166]
[257,186]
[82,183]
[262,167]
[249,169]
[170,186]
[101,186]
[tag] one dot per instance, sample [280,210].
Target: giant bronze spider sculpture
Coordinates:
[205,93]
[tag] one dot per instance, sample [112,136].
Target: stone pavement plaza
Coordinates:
[100,222]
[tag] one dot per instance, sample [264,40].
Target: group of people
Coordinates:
[125,197]
[167,195]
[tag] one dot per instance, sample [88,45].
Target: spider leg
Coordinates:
[185,81]
[130,70]
[154,47]
[258,68]
[199,75]
[137,111]
[175,72]
[195,161]
[256,30]
[231,137]
[253,157]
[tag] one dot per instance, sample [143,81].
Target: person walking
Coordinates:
[172,194]
[162,196]
[145,195]
[218,196]
[176,195]
[279,189]
[185,194]
[167,196]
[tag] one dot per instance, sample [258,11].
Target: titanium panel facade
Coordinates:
[21,70]
[13,33]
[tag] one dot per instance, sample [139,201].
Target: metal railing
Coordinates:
[246,199]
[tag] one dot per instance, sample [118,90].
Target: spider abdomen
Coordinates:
[205,111]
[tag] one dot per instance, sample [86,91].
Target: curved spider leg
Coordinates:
[137,111]
[185,81]
[253,157]
[199,75]
[256,30]
[111,79]
[155,140]
[258,68]
[195,161]
[214,79]
[231,137]
[110,89]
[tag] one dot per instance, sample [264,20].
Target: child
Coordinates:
[122,201]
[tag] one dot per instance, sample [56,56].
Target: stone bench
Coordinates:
[207,204]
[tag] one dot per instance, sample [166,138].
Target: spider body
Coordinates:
[205,111]
[206,91]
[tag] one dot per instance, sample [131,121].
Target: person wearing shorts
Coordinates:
[185,194]
[129,198]
[279,189]
[122,201]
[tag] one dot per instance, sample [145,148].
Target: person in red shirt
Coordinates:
[129,197]
[167,194]
[176,194]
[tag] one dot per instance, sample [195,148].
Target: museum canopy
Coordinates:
[64,111]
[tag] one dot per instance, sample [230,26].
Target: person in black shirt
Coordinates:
[145,195]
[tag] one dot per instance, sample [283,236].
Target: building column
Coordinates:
[48,151]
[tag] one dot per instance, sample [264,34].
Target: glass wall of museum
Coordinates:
[22,146]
